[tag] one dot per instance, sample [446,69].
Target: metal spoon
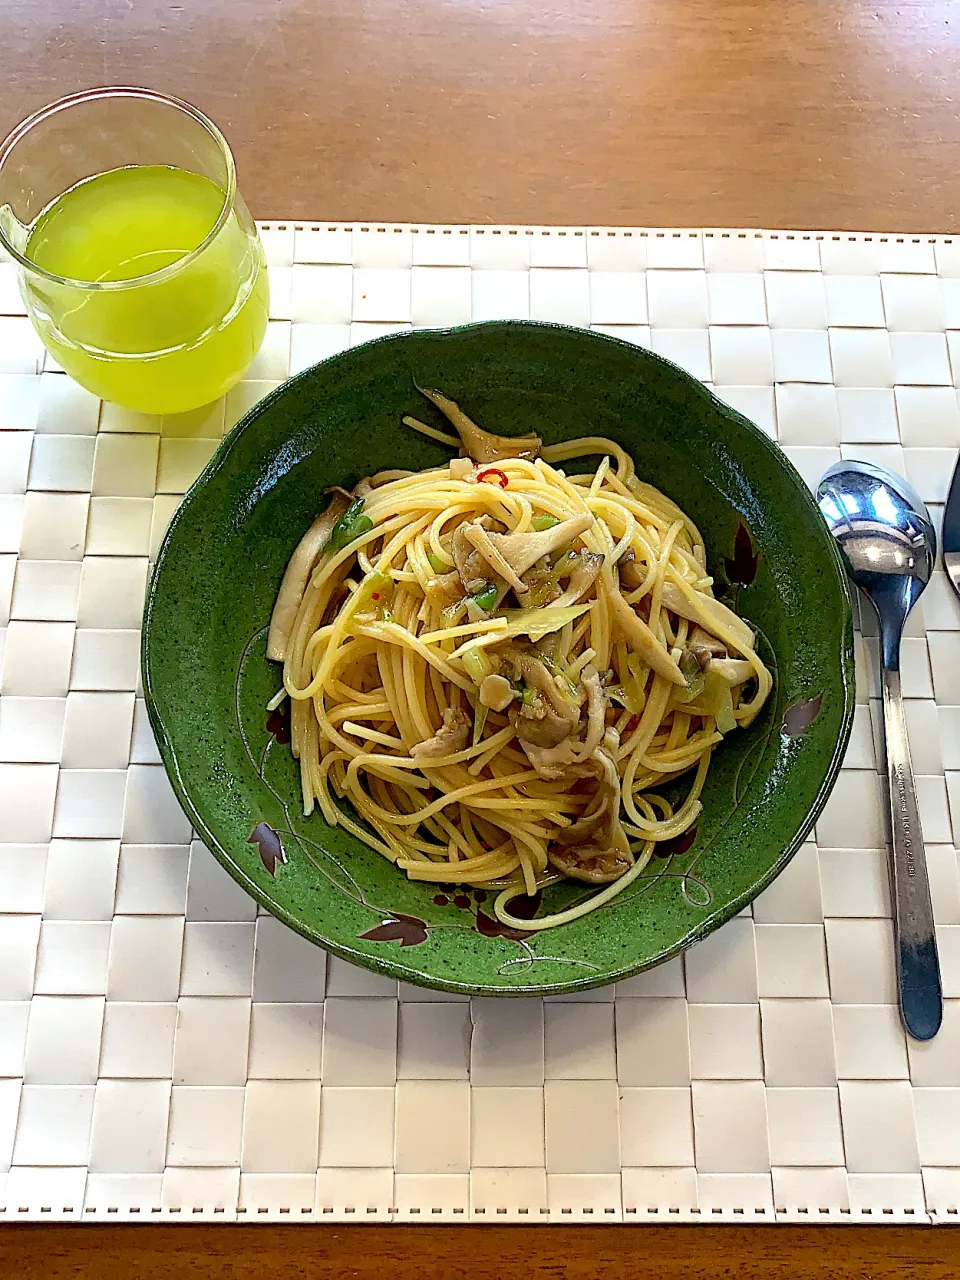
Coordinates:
[890,547]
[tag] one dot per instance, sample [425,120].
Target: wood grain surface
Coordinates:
[778,113]
[799,113]
[468,1253]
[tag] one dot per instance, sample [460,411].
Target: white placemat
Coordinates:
[166,1050]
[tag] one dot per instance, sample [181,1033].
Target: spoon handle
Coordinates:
[918,967]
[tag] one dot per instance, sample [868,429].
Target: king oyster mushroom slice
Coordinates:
[707,613]
[297,573]
[734,670]
[481,445]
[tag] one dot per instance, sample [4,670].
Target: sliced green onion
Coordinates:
[691,672]
[725,717]
[352,524]
[528,695]
[565,685]
[436,564]
[540,523]
[475,664]
[479,720]
[626,697]
[486,597]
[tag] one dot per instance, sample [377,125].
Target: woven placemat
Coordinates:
[166,1050]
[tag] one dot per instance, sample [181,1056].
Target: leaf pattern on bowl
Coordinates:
[741,567]
[523,907]
[269,846]
[800,715]
[676,846]
[409,931]
[278,723]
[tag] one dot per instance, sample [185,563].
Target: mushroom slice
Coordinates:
[584,575]
[521,551]
[704,646]
[734,670]
[483,446]
[481,540]
[551,716]
[630,574]
[297,574]
[450,737]
[639,637]
[496,692]
[542,726]
[552,763]
[595,868]
[468,560]
[595,847]
[596,712]
[707,613]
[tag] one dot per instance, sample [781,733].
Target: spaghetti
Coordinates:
[495,664]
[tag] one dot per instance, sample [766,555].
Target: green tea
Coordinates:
[163,346]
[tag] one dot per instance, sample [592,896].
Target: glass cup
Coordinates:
[139,264]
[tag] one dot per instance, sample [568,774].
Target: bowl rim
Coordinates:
[395,968]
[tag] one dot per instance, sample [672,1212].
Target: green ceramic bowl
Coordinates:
[207,680]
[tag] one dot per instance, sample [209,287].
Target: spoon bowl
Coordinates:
[884,532]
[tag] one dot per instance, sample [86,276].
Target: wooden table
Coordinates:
[644,112]
[467,1253]
[839,114]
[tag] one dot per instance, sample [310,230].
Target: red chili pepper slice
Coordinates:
[631,725]
[502,480]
